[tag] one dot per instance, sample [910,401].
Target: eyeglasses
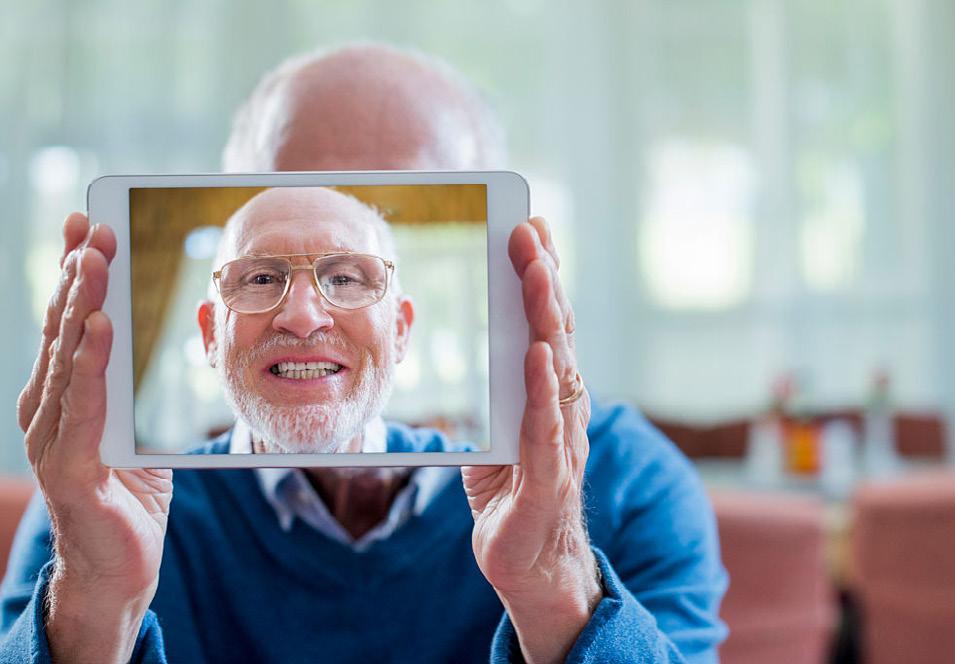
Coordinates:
[256,284]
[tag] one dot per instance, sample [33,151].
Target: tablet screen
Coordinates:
[309,319]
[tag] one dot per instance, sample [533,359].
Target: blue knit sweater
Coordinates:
[235,587]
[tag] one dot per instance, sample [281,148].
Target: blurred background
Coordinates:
[753,202]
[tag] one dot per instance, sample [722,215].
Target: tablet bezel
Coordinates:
[507,206]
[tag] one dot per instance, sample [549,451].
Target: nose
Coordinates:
[304,310]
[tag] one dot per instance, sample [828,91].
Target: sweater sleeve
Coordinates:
[23,594]
[620,630]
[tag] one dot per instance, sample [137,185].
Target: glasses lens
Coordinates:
[352,281]
[250,285]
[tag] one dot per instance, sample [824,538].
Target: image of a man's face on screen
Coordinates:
[309,321]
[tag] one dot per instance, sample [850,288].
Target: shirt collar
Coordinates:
[289,492]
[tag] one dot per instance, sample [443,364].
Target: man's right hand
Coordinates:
[108,525]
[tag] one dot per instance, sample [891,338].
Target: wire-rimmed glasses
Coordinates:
[347,280]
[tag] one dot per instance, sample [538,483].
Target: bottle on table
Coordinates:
[766,441]
[879,457]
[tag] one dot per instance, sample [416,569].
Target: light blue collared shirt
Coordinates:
[292,496]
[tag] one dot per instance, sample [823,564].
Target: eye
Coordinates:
[264,278]
[342,279]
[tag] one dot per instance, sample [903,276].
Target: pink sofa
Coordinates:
[903,569]
[15,493]
[779,606]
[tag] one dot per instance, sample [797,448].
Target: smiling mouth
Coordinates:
[304,370]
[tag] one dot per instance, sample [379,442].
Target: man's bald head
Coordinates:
[364,107]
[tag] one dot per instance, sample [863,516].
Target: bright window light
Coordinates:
[832,231]
[695,239]
[202,243]
[408,372]
[55,170]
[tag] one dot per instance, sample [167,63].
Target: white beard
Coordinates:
[310,428]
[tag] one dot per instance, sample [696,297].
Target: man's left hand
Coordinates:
[529,536]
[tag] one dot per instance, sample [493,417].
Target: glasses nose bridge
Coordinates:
[313,279]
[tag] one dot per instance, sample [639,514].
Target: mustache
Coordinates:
[282,342]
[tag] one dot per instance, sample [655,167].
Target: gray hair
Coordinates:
[257,124]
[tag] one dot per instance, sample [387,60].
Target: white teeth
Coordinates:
[302,366]
[305,370]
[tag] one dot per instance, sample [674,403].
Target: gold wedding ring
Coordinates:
[576,394]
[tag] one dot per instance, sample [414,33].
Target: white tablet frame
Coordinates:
[507,206]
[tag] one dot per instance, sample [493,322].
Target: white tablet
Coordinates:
[313,319]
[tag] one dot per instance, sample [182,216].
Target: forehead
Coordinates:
[298,220]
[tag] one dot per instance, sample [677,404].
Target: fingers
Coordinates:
[547,242]
[75,229]
[545,320]
[85,296]
[78,235]
[522,247]
[83,405]
[549,314]
[546,239]
[532,241]
[542,428]
[525,236]
[104,239]
[66,471]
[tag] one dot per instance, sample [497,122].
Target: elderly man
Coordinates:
[354,333]
[332,565]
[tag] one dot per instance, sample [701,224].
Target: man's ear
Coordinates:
[403,322]
[206,316]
